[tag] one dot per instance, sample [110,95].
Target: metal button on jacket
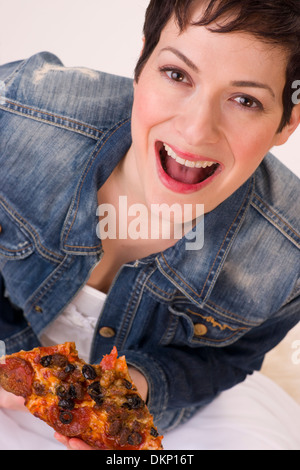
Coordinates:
[107,332]
[200,330]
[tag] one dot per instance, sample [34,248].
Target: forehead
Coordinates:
[238,52]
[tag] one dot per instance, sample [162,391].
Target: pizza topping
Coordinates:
[16,376]
[69,423]
[115,427]
[69,368]
[65,417]
[46,361]
[134,402]
[99,402]
[94,390]
[127,437]
[39,388]
[154,432]
[89,372]
[62,390]
[124,436]
[135,439]
[127,384]
[59,360]
[109,361]
[76,391]
[66,403]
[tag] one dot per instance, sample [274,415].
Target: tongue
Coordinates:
[182,173]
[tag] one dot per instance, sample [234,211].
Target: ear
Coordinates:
[289,128]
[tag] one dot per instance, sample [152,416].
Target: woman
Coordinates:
[212,95]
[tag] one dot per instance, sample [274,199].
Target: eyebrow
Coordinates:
[250,84]
[183,57]
[238,83]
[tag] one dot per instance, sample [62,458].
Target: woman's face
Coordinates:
[206,111]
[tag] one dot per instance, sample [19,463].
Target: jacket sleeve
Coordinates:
[182,380]
[14,329]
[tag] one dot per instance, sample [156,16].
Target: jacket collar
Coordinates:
[79,231]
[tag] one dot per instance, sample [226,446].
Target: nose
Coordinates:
[198,122]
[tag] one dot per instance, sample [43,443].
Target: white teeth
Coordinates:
[187,163]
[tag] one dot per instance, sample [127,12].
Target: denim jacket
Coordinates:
[194,322]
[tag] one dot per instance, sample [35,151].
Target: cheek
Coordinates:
[144,109]
[150,107]
[250,144]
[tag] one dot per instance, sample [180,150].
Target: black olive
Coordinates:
[66,417]
[94,390]
[72,391]
[46,361]
[69,368]
[99,400]
[66,403]
[127,384]
[62,391]
[154,432]
[134,402]
[89,372]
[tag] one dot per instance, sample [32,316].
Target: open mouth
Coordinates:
[186,171]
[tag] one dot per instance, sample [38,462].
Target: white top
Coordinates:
[77,323]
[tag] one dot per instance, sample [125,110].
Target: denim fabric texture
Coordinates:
[194,322]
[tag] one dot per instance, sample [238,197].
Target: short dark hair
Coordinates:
[273,21]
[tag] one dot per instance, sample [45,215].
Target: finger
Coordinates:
[77,444]
[62,439]
[10,401]
[73,443]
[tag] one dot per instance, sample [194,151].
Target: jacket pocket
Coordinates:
[189,326]
[15,244]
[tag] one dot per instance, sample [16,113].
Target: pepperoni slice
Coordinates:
[109,361]
[16,376]
[69,423]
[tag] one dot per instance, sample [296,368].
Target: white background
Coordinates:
[101,34]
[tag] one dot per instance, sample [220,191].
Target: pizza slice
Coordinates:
[98,404]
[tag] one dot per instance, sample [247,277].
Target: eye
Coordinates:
[248,102]
[175,75]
